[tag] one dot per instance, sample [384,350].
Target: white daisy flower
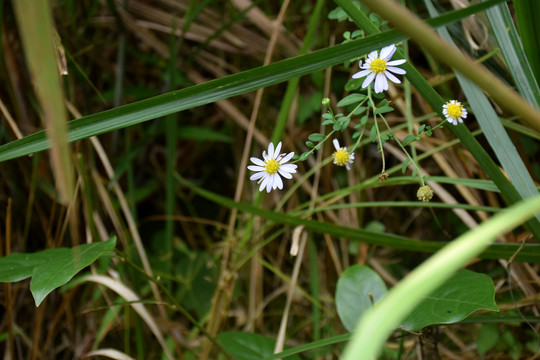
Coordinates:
[380,68]
[454,112]
[271,167]
[342,157]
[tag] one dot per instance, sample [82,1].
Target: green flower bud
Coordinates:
[326,101]
[425,193]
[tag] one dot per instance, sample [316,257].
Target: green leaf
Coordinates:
[408,139]
[351,99]
[316,137]
[404,165]
[457,298]
[248,346]
[487,337]
[358,289]
[51,268]
[383,109]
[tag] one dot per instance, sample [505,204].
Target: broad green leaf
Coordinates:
[248,346]
[51,268]
[358,289]
[457,298]
[220,89]
[351,99]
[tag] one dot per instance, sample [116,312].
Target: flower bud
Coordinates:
[425,193]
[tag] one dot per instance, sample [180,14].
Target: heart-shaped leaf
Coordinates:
[248,346]
[456,299]
[358,289]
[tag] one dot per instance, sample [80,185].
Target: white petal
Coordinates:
[291,168]
[257,176]
[396,62]
[380,83]
[347,167]
[257,161]
[278,182]
[387,52]
[361,74]
[336,144]
[396,70]
[285,174]
[368,80]
[263,183]
[278,149]
[392,78]
[270,151]
[256,168]
[371,56]
[286,158]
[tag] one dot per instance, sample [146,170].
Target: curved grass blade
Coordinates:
[529,253]
[504,30]
[494,131]
[219,89]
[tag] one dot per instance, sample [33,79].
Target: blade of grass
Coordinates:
[219,89]
[36,28]
[529,29]
[493,130]
[530,253]
[503,28]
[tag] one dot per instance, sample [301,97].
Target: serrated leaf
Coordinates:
[351,99]
[248,346]
[357,287]
[51,268]
[316,137]
[457,298]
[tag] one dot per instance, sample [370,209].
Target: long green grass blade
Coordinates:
[505,32]
[378,323]
[219,89]
[529,253]
[494,131]
[36,27]
[527,12]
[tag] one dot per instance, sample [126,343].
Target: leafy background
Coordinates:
[169,87]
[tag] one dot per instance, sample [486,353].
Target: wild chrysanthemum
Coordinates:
[380,68]
[342,157]
[269,169]
[454,112]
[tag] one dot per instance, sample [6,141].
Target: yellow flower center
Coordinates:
[378,66]
[454,110]
[272,166]
[341,157]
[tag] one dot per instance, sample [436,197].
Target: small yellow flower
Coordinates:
[341,156]
[454,112]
